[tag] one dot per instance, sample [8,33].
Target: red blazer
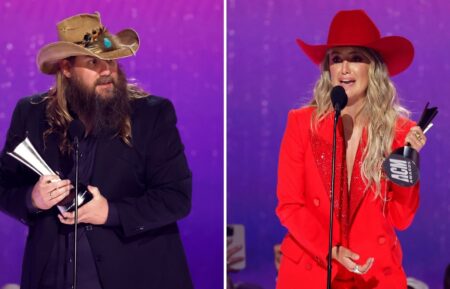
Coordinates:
[362,223]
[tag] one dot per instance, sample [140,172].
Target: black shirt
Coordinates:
[59,270]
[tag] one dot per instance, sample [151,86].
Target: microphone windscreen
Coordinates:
[76,130]
[339,97]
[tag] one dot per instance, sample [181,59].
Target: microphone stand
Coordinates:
[75,235]
[333,169]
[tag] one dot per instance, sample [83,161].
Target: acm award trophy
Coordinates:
[27,155]
[402,165]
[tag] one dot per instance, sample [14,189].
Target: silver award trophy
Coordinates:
[27,155]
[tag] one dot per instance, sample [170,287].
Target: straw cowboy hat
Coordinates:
[355,28]
[84,34]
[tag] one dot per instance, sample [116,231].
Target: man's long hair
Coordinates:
[381,108]
[59,117]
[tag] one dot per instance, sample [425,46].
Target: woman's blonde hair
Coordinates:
[380,110]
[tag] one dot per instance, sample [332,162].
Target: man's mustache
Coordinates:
[105,80]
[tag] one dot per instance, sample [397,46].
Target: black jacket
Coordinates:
[149,183]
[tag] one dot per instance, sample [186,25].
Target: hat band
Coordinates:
[99,41]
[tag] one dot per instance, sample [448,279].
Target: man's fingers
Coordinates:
[57,185]
[49,179]
[55,199]
[94,191]
[68,218]
[65,190]
[56,192]
[93,212]
[66,221]
[68,215]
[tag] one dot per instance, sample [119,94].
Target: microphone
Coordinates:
[79,195]
[339,98]
[76,130]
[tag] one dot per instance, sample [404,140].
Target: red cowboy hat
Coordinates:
[355,28]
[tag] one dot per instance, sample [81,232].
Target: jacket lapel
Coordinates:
[49,150]
[322,146]
[61,164]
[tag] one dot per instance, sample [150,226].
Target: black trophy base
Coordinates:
[402,166]
[68,203]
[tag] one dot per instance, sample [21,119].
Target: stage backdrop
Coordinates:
[181,58]
[268,75]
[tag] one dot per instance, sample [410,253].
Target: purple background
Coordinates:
[268,75]
[181,57]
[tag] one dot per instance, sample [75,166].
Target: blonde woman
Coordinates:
[368,208]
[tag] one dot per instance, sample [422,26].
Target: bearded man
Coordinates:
[131,158]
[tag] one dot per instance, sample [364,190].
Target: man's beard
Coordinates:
[100,114]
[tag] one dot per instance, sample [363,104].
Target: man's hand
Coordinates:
[49,191]
[347,258]
[94,212]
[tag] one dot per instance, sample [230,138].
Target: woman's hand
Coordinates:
[347,259]
[416,138]
[231,259]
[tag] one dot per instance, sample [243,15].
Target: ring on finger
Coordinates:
[356,270]
[418,135]
[51,193]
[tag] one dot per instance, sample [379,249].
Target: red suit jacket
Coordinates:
[362,223]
